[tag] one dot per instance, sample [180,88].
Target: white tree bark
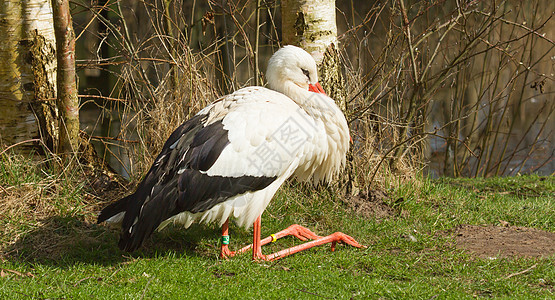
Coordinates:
[27,72]
[309,24]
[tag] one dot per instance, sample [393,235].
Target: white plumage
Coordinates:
[277,133]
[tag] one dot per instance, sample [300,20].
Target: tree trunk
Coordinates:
[67,102]
[311,25]
[27,74]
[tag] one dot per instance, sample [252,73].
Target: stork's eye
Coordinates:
[306,73]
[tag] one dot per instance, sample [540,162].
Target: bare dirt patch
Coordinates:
[372,205]
[497,241]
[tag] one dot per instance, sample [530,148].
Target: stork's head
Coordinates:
[292,65]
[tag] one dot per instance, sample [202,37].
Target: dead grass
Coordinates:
[45,210]
[413,74]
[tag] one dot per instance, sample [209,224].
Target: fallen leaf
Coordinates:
[504,223]
[3,274]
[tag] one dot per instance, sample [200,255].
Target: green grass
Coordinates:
[71,257]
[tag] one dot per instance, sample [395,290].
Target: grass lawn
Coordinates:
[51,248]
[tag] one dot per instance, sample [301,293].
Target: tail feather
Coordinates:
[130,239]
[113,209]
[143,217]
[139,222]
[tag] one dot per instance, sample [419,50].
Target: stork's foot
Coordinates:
[332,238]
[345,239]
[300,232]
[226,253]
[295,230]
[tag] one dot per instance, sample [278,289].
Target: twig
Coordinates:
[453,138]
[406,26]
[103,97]
[86,278]
[534,31]
[300,290]
[113,139]
[518,273]
[91,20]
[438,44]
[146,286]
[19,143]
[28,274]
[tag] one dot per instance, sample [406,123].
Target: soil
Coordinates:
[482,241]
[496,241]
[372,205]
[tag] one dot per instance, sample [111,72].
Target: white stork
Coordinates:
[230,159]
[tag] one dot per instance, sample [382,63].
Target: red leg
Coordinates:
[298,231]
[332,238]
[225,252]
[256,243]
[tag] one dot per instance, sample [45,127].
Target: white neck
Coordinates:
[289,72]
[295,92]
[318,106]
[325,112]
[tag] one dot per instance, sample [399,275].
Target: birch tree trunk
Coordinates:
[311,25]
[67,101]
[27,74]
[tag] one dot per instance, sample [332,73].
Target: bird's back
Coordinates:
[228,160]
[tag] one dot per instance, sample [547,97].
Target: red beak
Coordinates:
[316,88]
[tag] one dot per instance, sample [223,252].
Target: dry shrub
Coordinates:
[44,208]
[151,120]
[471,78]
[451,74]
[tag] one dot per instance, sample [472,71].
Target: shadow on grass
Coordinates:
[65,241]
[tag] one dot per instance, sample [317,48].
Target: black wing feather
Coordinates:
[163,193]
[206,147]
[214,189]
